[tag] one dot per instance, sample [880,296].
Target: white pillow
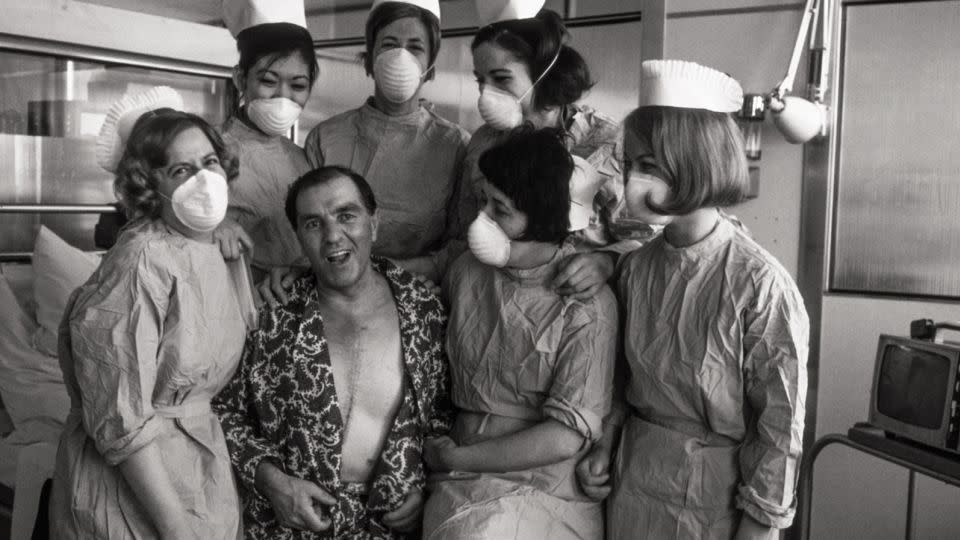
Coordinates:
[59,268]
[31,383]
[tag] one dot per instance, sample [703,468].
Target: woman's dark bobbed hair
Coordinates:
[276,41]
[536,42]
[533,168]
[136,183]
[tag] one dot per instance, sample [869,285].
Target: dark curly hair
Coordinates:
[389,12]
[146,151]
[533,168]
[536,42]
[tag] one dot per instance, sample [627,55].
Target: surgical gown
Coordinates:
[594,137]
[268,165]
[716,342]
[413,163]
[145,344]
[519,350]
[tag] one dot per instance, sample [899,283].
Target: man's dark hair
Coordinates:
[325,175]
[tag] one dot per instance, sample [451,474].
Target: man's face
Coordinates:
[336,232]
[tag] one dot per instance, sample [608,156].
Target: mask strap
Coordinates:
[542,75]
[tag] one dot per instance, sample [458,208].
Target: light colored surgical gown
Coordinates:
[413,163]
[716,342]
[519,350]
[144,345]
[268,165]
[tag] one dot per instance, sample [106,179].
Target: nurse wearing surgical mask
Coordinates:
[150,338]
[531,370]
[274,77]
[411,156]
[527,73]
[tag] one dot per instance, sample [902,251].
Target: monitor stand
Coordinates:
[940,461]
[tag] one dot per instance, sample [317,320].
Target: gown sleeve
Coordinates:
[234,405]
[113,338]
[454,238]
[775,386]
[580,395]
[313,149]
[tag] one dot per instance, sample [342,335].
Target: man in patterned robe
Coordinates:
[338,387]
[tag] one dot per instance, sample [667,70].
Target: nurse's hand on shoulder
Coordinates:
[593,473]
[273,289]
[751,529]
[582,274]
[436,452]
[296,502]
[406,518]
[232,239]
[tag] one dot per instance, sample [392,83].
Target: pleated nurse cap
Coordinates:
[492,11]
[688,85]
[240,15]
[124,114]
[433,6]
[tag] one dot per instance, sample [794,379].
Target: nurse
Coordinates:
[717,334]
[151,337]
[274,77]
[527,73]
[411,156]
[531,370]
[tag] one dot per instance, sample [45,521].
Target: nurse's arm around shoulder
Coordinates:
[775,344]
[541,444]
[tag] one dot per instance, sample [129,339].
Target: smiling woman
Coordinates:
[274,75]
[147,329]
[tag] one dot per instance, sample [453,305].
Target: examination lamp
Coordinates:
[799,119]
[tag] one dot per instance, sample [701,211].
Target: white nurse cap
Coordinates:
[584,184]
[239,15]
[433,6]
[122,117]
[687,85]
[491,11]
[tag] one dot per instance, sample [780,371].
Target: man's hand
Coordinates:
[406,518]
[436,453]
[273,289]
[593,473]
[232,239]
[297,503]
[582,274]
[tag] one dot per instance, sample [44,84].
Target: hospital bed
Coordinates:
[34,288]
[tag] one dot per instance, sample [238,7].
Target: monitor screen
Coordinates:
[913,386]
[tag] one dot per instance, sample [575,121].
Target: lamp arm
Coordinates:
[786,85]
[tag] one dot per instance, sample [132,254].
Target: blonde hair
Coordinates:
[700,152]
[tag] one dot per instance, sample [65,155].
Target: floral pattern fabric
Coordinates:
[282,406]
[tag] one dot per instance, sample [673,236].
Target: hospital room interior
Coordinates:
[851,134]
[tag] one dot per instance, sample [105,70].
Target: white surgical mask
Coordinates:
[275,116]
[487,241]
[502,110]
[200,203]
[398,74]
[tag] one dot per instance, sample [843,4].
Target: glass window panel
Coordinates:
[898,182]
[51,110]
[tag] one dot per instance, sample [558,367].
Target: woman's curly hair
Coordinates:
[136,182]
